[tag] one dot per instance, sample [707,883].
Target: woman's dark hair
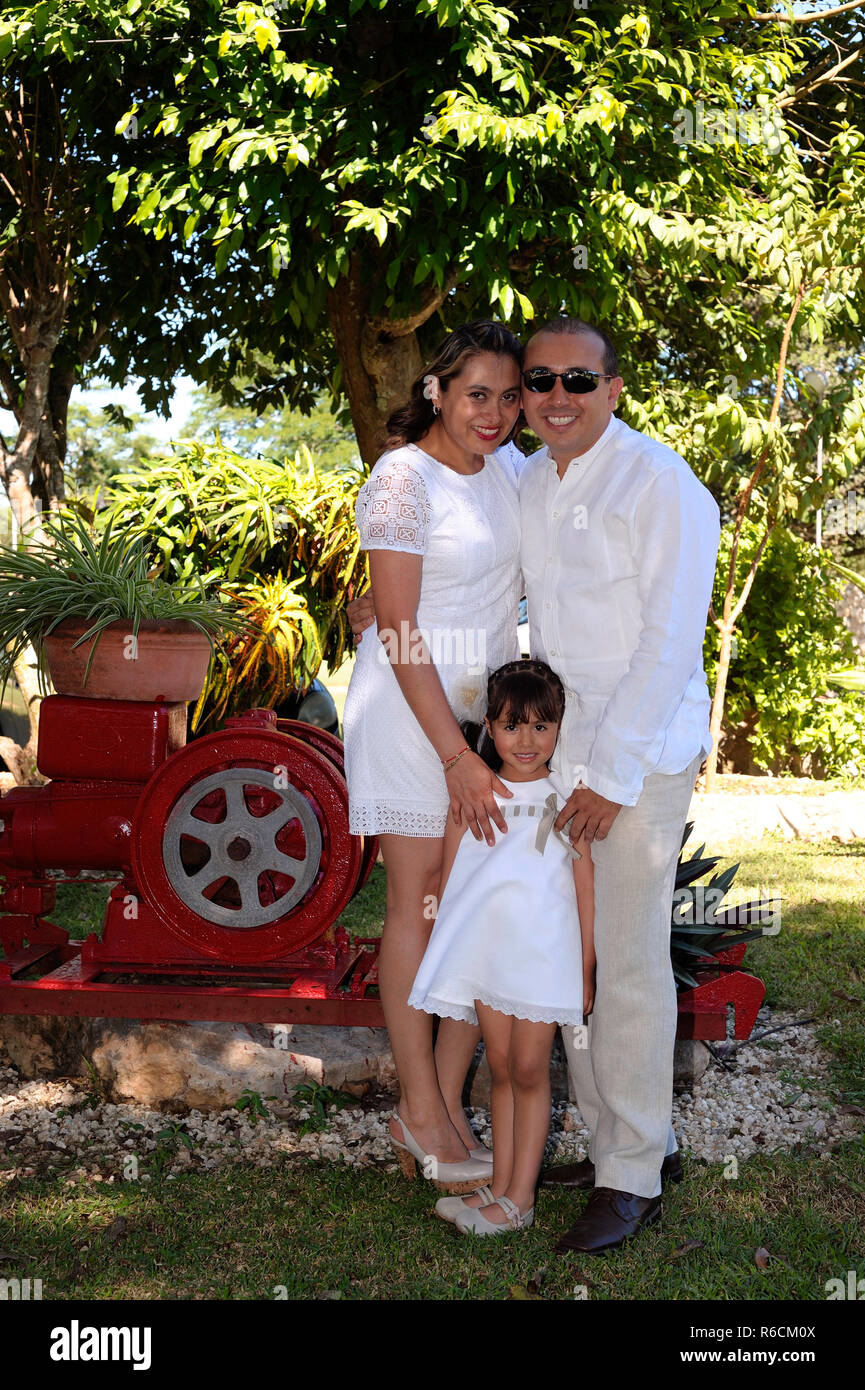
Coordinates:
[523,690]
[411,422]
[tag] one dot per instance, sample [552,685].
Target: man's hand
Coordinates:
[361,613]
[592,815]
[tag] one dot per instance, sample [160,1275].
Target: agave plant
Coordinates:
[692,941]
[75,573]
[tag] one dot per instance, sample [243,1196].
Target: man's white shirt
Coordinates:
[618,561]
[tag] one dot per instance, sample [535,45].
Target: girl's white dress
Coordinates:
[467,528]
[507,931]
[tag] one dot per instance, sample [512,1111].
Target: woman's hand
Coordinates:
[471,785]
[361,614]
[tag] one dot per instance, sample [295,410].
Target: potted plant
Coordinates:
[101,624]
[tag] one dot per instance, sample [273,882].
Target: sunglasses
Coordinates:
[577,382]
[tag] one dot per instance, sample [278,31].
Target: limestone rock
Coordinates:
[690,1060]
[198,1066]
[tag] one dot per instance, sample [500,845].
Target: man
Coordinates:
[619,543]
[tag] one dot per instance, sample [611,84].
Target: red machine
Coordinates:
[231,860]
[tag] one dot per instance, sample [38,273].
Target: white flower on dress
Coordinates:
[431,388]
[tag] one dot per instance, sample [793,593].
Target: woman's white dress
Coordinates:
[467,529]
[507,930]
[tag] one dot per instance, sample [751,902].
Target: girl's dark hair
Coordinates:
[524,690]
[411,422]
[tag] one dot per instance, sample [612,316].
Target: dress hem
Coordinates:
[464,1013]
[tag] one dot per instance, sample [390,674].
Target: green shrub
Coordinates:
[788,642]
[277,538]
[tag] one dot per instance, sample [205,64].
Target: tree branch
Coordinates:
[808,18]
[400,328]
[806,85]
[746,587]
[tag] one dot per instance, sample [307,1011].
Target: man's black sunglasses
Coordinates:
[577,382]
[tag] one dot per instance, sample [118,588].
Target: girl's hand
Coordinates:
[361,614]
[471,785]
[589,967]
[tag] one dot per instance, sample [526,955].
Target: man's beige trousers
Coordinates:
[622,1065]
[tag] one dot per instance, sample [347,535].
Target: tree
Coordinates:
[102,443]
[277,432]
[418,162]
[357,181]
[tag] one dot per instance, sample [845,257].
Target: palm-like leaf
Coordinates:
[692,940]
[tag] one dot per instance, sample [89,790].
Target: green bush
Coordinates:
[277,539]
[788,642]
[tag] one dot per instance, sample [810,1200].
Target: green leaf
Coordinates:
[121,188]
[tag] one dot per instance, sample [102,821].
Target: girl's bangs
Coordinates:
[524,698]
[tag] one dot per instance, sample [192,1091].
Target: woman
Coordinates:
[440,519]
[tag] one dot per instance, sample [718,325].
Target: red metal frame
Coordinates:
[703,1011]
[155,957]
[118,768]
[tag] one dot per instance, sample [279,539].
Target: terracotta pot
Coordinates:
[168,664]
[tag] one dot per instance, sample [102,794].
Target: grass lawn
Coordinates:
[309,1230]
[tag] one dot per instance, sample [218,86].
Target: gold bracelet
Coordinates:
[448,763]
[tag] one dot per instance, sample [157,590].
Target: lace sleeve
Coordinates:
[393,510]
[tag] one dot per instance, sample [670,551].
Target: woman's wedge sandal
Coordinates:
[466,1176]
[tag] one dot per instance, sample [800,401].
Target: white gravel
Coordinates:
[775,1096]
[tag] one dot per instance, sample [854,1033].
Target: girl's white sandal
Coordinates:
[472,1219]
[447,1207]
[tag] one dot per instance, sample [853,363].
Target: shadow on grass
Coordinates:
[307,1230]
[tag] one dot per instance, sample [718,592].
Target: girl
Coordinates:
[439,517]
[508,948]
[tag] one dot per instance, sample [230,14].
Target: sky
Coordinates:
[151,423]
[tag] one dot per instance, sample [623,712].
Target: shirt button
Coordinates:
[555,513]
[553,653]
[548,605]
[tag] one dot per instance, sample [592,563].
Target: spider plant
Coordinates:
[75,573]
[692,939]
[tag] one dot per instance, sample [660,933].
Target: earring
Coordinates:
[435,410]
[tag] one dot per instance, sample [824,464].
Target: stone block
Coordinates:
[196,1066]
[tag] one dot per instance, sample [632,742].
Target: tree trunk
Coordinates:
[380,357]
[21,761]
[727,630]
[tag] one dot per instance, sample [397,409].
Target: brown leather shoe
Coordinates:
[582,1175]
[609,1219]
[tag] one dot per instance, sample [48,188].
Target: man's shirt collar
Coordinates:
[613,426]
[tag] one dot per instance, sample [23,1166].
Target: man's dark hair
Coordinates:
[562,324]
